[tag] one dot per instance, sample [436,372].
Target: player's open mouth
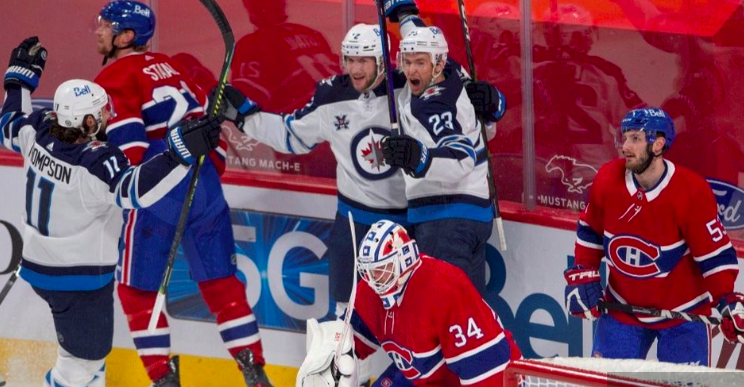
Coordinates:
[415,82]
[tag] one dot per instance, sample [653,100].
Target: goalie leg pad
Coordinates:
[238,326]
[152,348]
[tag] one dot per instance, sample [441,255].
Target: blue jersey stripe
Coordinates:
[426,213]
[66,282]
[482,362]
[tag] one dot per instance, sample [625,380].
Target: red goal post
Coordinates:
[592,372]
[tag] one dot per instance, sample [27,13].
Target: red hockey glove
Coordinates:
[731,306]
[583,291]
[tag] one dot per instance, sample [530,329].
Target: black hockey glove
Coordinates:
[193,139]
[489,103]
[26,64]
[236,106]
[395,10]
[408,153]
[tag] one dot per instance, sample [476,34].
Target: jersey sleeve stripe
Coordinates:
[476,350]
[363,333]
[713,253]
[291,134]
[128,121]
[586,233]
[588,245]
[720,269]
[482,362]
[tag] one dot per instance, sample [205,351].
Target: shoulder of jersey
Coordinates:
[132,63]
[447,276]
[611,171]
[443,93]
[336,88]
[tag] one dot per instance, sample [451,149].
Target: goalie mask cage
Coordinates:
[595,372]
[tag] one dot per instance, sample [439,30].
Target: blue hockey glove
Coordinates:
[488,101]
[583,291]
[408,153]
[395,10]
[190,140]
[731,307]
[236,105]
[26,64]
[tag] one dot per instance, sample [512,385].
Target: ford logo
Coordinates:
[729,198]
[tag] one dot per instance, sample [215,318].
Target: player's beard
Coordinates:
[642,161]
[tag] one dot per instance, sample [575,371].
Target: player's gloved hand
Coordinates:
[319,368]
[26,64]
[731,307]
[583,291]
[408,153]
[236,106]
[395,10]
[193,139]
[488,101]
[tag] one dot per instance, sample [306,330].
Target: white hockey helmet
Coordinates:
[77,98]
[363,40]
[387,257]
[425,39]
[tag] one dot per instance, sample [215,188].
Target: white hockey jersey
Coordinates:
[72,194]
[443,119]
[353,123]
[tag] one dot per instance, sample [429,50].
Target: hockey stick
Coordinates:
[605,307]
[350,307]
[491,184]
[15,259]
[227,36]
[395,130]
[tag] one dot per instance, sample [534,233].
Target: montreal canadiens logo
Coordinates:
[634,257]
[367,154]
[402,358]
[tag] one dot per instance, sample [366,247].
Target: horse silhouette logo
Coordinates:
[574,175]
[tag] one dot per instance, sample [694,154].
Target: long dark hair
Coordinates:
[69,135]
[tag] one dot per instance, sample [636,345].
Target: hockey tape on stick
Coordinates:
[227,36]
[491,183]
[605,307]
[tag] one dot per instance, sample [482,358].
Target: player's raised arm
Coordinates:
[26,65]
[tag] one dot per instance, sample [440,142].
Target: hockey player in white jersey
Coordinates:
[442,153]
[74,185]
[350,112]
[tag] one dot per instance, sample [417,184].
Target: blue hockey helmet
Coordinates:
[652,121]
[130,15]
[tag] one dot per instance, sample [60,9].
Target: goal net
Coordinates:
[596,372]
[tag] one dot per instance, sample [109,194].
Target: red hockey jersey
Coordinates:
[149,93]
[665,247]
[440,332]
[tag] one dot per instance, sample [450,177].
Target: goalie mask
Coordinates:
[387,258]
[76,99]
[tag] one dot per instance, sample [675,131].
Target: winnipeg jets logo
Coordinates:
[94,145]
[432,92]
[341,122]
[327,82]
[368,159]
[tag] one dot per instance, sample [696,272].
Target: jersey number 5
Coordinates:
[45,202]
[473,331]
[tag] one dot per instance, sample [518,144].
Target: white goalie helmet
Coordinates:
[387,257]
[77,98]
[363,40]
[425,39]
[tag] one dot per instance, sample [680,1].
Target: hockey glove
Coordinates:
[731,307]
[26,64]
[193,139]
[318,368]
[236,106]
[583,291]
[395,10]
[489,103]
[408,153]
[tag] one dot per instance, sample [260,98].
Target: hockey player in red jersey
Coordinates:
[426,315]
[657,224]
[151,93]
